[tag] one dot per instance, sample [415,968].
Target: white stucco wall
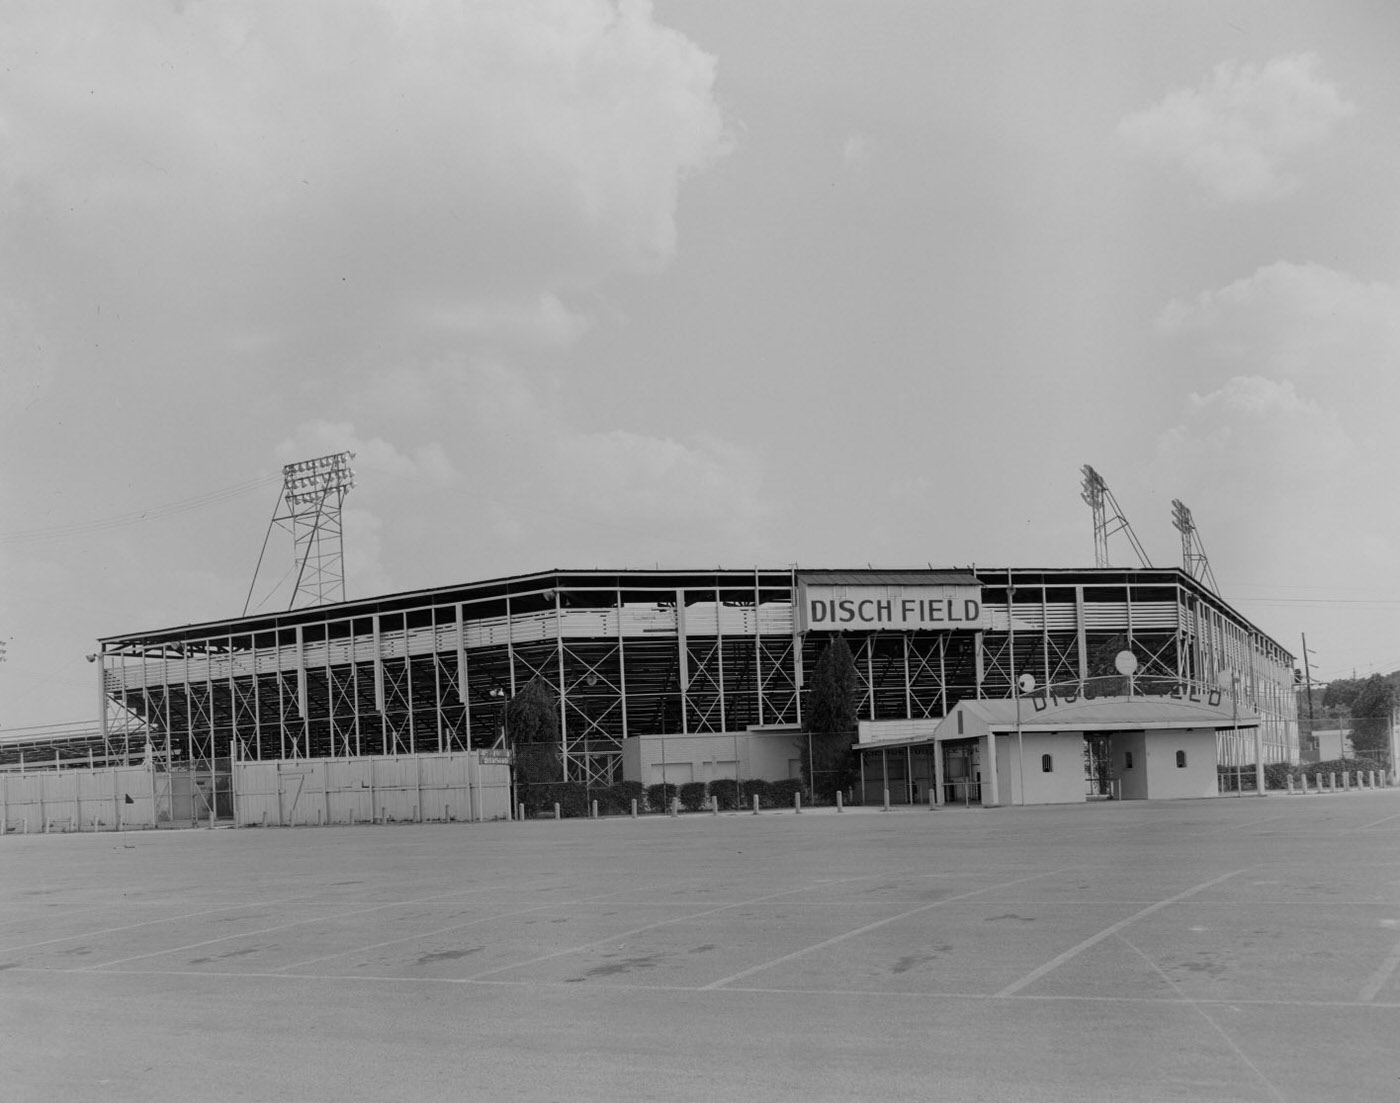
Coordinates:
[1132,781]
[1167,781]
[1065,782]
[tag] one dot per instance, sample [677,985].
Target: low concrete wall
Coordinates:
[771,755]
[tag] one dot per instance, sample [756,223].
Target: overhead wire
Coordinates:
[136,517]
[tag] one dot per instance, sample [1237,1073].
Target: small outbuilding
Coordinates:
[1044,749]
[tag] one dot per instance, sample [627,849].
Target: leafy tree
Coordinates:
[829,717]
[1371,711]
[532,729]
[1340,695]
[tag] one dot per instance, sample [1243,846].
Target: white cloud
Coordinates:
[1235,132]
[856,151]
[547,320]
[534,465]
[427,464]
[1303,322]
[269,167]
[1275,481]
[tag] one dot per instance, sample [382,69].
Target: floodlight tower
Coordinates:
[313,492]
[1100,499]
[1193,552]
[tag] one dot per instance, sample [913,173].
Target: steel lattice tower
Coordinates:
[313,492]
[1100,499]
[1193,552]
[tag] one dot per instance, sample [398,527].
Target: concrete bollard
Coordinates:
[520,811]
[556,809]
[839,808]
[887,801]
[594,810]
[797,803]
[675,806]
[1332,781]
[634,808]
[1303,781]
[755,804]
[1289,780]
[447,813]
[1373,779]
[714,805]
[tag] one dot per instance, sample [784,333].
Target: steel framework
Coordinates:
[313,492]
[1193,553]
[645,653]
[1100,499]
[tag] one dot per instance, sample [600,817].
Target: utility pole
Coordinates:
[1307,681]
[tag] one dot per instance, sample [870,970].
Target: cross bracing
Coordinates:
[643,653]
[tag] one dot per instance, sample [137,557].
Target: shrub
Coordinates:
[539,798]
[756,786]
[608,799]
[659,796]
[624,793]
[783,791]
[1338,766]
[693,796]
[1276,775]
[726,789]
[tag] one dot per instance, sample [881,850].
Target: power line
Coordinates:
[125,520]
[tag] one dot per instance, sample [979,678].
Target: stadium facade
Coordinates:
[647,661]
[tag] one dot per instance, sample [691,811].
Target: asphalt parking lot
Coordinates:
[1229,949]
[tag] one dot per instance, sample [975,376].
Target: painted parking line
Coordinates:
[1375,823]
[876,926]
[1108,932]
[1232,827]
[918,996]
[134,926]
[445,930]
[1381,977]
[1229,1039]
[813,887]
[275,927]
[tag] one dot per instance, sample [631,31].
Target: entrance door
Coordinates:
[962,773]
[1100,778]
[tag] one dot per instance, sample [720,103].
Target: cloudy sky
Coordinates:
[692,283]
